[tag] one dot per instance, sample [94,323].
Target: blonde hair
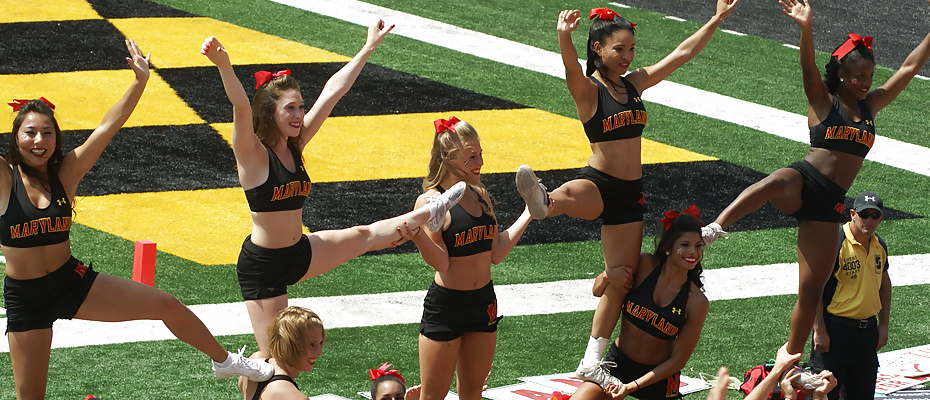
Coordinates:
[447,147]
[263,108]
[288,334]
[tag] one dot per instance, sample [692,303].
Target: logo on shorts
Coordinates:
[492,313]
[642,200]
[80,269]
[839,207]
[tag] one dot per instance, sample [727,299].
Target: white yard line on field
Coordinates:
[407,307]
[770,120]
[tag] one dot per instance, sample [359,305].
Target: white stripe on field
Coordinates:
[770,120]
[407,307]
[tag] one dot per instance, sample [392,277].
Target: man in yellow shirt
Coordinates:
[852,323]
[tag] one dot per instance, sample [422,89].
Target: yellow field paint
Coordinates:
[176,42]
[205,226]
[398,146]
[45,10]
[83,97]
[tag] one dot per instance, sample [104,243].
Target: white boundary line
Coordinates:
[770,120]
[406,307]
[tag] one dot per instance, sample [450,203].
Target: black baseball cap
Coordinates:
[866,200]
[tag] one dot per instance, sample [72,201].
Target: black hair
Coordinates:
[375,383]
[13,152]
[682,224]
[831,70]
[600,30]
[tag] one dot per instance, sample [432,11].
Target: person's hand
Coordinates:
[215,52]
[620,276]
[413,393]
[821,392]
[139,64]
[569,19]
[405,234]
[883,331]
[798,11]
[719,391]
[787,385]
[601,282]
[784,360]
[821,340]
[617,392]
[376,33]
[725,8]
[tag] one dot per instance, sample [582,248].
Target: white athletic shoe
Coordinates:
[253,370]
[596,372]
[711,232]
[809,381]
[441,203]
[533,192]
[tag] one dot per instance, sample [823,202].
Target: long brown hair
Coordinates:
[263,109]
[13,153]
[447,147]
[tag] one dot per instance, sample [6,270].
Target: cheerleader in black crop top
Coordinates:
[269,159]
[841,118]
[607,95]
[662,316]
[460,314]
[43,282]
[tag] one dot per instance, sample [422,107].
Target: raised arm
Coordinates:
[885,94]
[583,91]
[246,146]
[818,96]
[646,77]
[80,160]
[338,85]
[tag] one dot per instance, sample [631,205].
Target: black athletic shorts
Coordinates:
[37,303]
[266,273]
[821,198]
[628,370]
[624,201]
[448,313]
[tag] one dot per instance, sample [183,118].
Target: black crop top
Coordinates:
[283,190]
[660,322]
[838,132]
[25,225]
[261,385]
[468,235]
[613,120]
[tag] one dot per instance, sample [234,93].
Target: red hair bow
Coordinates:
[19,103]
[443,124]
[383,370]
[606,14]
[560,396]
[851,43]
[671,215]
[262,77]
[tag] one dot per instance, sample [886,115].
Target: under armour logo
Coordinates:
[676,311]
[636,99]
[869,122]
[869,198]
[61,201]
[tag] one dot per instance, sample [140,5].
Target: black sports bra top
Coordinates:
[468,235]
[838,132]
[261,385]
[25,225]
[661,322]
[283,190]
[613,120]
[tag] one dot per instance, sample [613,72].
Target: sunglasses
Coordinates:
[870,214]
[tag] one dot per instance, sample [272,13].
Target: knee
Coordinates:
[167,305]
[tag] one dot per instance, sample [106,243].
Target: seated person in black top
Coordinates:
[662,316]
[295,340]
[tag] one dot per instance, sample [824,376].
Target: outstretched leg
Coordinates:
[817,250]
[782,188]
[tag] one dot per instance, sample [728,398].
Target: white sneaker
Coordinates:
[596,372]
[711,232]
[809,381]
[254,370]
[533,192]
[441,203]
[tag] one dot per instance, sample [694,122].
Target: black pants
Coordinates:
[851,358]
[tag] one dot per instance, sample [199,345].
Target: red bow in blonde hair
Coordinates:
[443,124]
[383,370]
[850,44]
[262,77]
[606,14]
[19,103]
[671,215]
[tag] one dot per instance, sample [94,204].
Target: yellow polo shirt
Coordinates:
[858,277]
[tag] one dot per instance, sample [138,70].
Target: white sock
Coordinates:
[596,347]
[226,363]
